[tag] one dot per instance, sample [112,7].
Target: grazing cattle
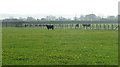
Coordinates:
[26,25]
[86,25]
[76,26]
[50,27]
[36,25]
[40,25]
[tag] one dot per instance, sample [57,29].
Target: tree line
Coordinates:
[89,17]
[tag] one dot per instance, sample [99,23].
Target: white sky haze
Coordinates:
[59,7]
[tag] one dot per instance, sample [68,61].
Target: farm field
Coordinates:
[0,45]
[38,46]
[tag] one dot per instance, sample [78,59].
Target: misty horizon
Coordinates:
[38,16]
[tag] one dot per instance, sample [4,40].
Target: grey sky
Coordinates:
[59,7]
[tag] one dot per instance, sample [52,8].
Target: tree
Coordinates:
[31,19]
[75,18]
[22,19]
[50,17]
[61,18]
[90,17]
[82,17]
[43,19]
[111,18]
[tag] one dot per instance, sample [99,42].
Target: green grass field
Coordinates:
[0,45]
[35,46]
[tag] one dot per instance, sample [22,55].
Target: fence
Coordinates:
[92,26]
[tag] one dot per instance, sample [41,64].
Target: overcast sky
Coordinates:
[59,7]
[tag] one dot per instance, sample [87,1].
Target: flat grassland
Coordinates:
[36,46]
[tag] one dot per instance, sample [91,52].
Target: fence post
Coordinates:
[108,27]
[96,26]
[91,26]
[112,26]
[100,26]
[80,26]
[104,27]
[72,26]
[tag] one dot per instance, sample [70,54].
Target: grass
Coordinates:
[35,46]
[0,45]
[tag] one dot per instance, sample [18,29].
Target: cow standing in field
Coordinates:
[50,27]
[36,25]
[86,25]
[76,26]
[26,25]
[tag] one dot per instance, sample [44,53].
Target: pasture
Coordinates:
[39,46]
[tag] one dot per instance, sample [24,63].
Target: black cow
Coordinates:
[26,25]
[40,25]
[86,25]
[76,26]
[50,27]
[36,25]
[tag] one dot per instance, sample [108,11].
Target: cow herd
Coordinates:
[81,26]
[52,26]
[76,26]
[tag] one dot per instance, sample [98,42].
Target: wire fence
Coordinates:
[80,26]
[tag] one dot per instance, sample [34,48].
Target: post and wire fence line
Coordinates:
[80,26]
